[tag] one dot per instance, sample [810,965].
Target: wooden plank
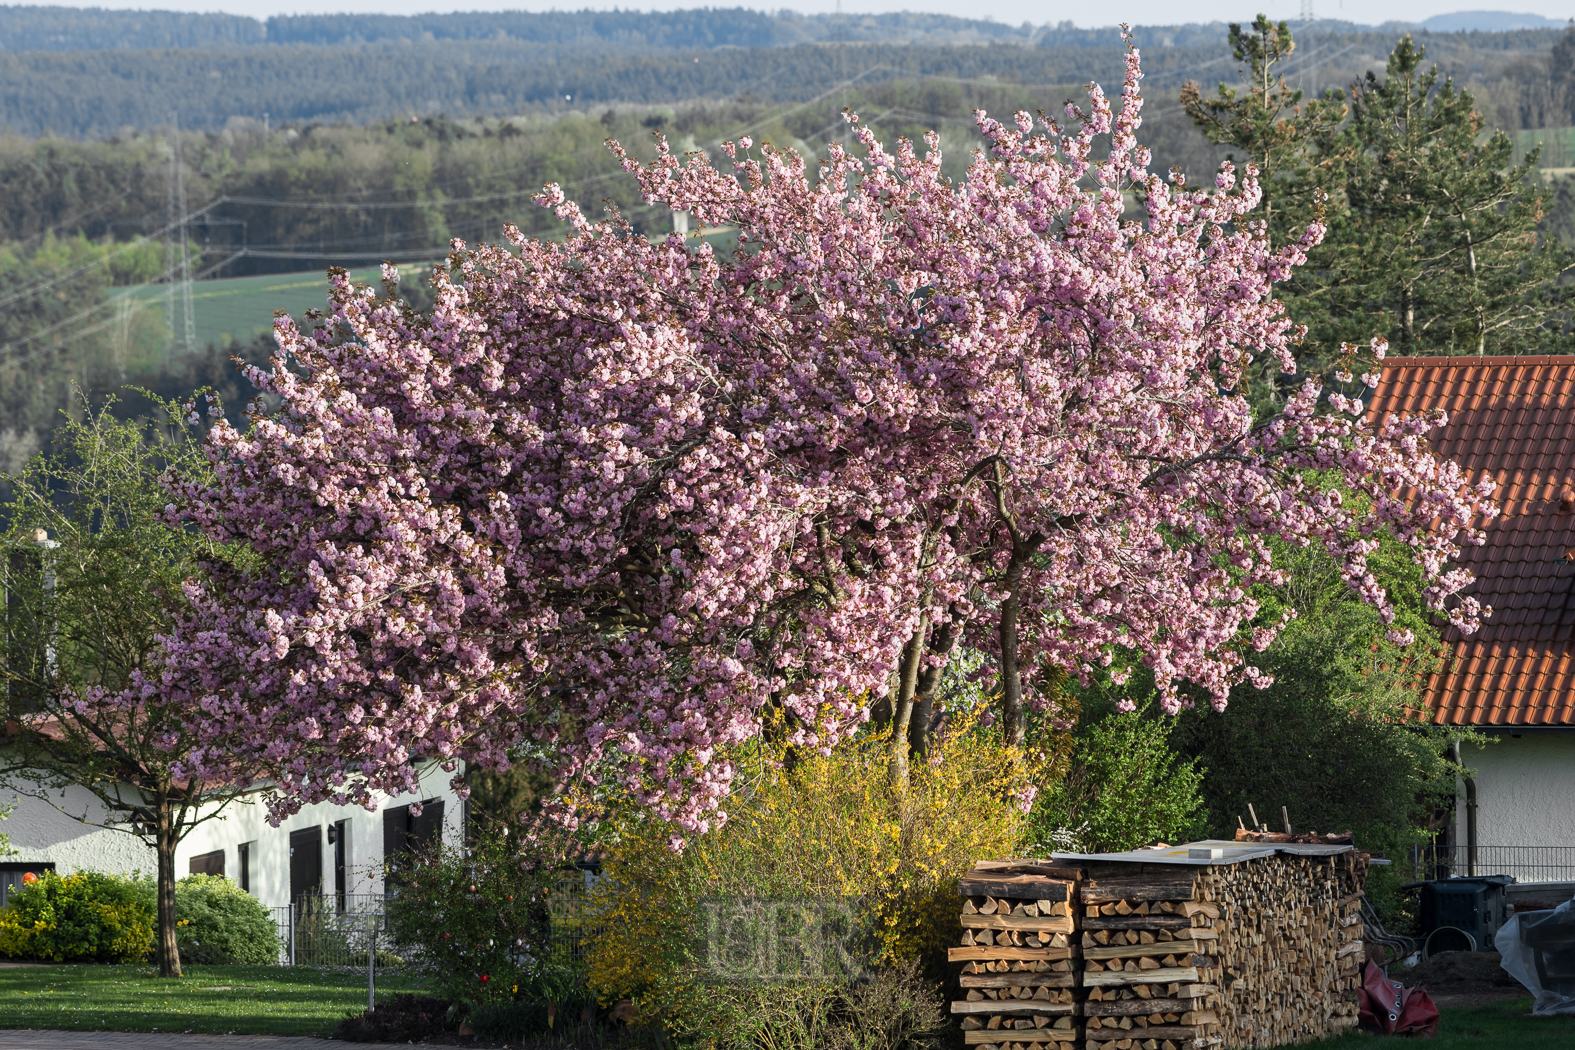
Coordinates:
[1017,887]
[986,952]
[1030,867]
[1050,924]
[1018,980]
[1138,1007]
[1136,922]
[1012,1006]
[1164,975]
[1036,1035]
[1137,951]
[1164,1031]
[1144,889]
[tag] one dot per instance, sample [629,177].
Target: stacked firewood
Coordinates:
[1255,952]
[1150,961]
[1290,946]
[1020,956]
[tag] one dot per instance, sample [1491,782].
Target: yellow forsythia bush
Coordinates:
[89,916]
[811,827]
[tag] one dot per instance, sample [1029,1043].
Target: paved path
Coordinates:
[16,1039]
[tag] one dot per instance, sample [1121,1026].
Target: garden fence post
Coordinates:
[292,934]
[371,964]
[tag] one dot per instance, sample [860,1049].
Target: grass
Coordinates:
[253,1000]
[274,1000]
[1506,1025]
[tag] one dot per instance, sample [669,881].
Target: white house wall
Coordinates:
[41,832]
[1525,788]
[247,821]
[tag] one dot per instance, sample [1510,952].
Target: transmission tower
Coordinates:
[1307,12]
[177,262]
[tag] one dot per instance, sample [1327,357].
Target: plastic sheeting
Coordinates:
[1538,950]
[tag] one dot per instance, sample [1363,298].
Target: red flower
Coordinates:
[484,978]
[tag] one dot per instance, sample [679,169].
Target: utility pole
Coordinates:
[177,261]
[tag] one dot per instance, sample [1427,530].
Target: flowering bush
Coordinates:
[89,916]
[218,922]
[484,918]
[813,828]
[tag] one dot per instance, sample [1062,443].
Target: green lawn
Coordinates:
[1499,1026]
[211,999]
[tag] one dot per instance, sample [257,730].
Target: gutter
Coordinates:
[1471,808]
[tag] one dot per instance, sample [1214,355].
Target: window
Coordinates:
[243,859]
[405,834]
[13,873]
[208,863]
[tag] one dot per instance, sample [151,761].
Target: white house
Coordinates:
[323,848]
[1513,419]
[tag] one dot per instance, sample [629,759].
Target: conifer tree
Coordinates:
[1439,250]
[1432,237]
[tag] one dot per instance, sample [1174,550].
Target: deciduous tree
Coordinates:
[613,499]
[92,575]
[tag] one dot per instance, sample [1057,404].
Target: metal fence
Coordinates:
[1526,863]
[333,930]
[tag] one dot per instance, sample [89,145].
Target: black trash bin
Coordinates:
[1463,914]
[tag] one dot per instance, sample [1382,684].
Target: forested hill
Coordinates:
[72,29]
[92,94]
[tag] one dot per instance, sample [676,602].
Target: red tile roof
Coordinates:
[1512,418]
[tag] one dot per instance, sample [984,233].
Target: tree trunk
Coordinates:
[1014,727]
[902,702]
[164,844]
[941,643]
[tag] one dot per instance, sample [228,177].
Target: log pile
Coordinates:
[1019,958]
[1150,961]
[1256,952]
[1290,946]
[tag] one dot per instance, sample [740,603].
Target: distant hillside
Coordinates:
[1489,22]
[94,73]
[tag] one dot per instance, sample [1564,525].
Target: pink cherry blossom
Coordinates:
[613,499]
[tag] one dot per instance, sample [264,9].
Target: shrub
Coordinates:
[828,830]
[218,922]
[89,916]
[481,916]
[892,1008]
[1127,787]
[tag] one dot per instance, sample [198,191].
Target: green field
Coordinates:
[211,999]
[234,310]
[1558,146]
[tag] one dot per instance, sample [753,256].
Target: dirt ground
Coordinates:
[1462,979]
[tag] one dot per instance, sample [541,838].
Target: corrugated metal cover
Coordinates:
[1230,853]
[1512,418]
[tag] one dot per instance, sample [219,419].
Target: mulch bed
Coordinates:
[1462,979]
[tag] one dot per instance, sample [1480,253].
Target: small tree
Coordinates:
[1433,241]
[93,576]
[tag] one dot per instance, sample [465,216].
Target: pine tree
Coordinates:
[1432,237]
[1268,121]
[1439,250]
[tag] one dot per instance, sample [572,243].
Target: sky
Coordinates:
[1014,12]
